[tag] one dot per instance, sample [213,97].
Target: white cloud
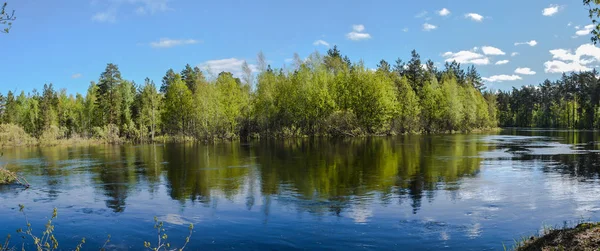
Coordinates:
[566,61]
[358,27]
[489,50]
[321,42]
[556,66]
[501,78]
[150,6]
[501,62]
[76,75]
[586,30]
[421,14]
[551,10]
[429,27]
[569,24]
[168,43]
[514,54]
[530,43]
[232,65]
[357,33]
[405,29]
[443,12]
[474,16]
[524,71]
[466,57]
[140,7]
[108,16]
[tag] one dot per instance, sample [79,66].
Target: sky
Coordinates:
[69,42]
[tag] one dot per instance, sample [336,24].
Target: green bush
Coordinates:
[6,177]
[108,133]
[343,123]
[51,136]
[14,135]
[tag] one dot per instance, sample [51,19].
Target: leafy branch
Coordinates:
[6,18]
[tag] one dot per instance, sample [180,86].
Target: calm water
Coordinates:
[450,192]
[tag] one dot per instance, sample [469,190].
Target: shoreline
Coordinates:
[78,141]
[584,236]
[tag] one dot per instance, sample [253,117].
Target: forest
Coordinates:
[322,95]
[573,101]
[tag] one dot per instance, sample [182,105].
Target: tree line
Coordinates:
[321,95]
[573,101]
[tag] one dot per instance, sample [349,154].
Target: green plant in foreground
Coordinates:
[162,243]
[47,242]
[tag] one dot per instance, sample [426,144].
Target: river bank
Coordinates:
[584,236]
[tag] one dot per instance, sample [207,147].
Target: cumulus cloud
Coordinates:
[501,62]
[474,16]
[429,27]
[466,57]
[551,10]
[489,50]
[443,12]
[168,43]
[586,30]
[405,29]
[321,42]
[357,33]
[524,71]
[514,54]
[501,78]
[530,43]
[233,65]
[76,75]
[567,61]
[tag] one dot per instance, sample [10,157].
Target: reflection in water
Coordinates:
[450,185]
[314,175]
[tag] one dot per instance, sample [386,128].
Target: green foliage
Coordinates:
[571,102]
[322,95]
[594,14]
[108,133]
[51,135]
[177,107]
[13,135]
[6,177]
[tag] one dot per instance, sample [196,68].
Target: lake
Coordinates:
[439,192]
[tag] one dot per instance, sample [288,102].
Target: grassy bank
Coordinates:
[584,236]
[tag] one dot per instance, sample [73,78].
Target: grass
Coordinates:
[583,236]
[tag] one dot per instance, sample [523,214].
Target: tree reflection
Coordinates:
[319,175]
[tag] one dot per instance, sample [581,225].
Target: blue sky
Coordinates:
[69,43]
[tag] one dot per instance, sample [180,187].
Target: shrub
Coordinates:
[51,135]
[6,176]
[108,133]
[14,135]
[343,123]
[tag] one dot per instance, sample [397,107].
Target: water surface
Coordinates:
[448,192]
